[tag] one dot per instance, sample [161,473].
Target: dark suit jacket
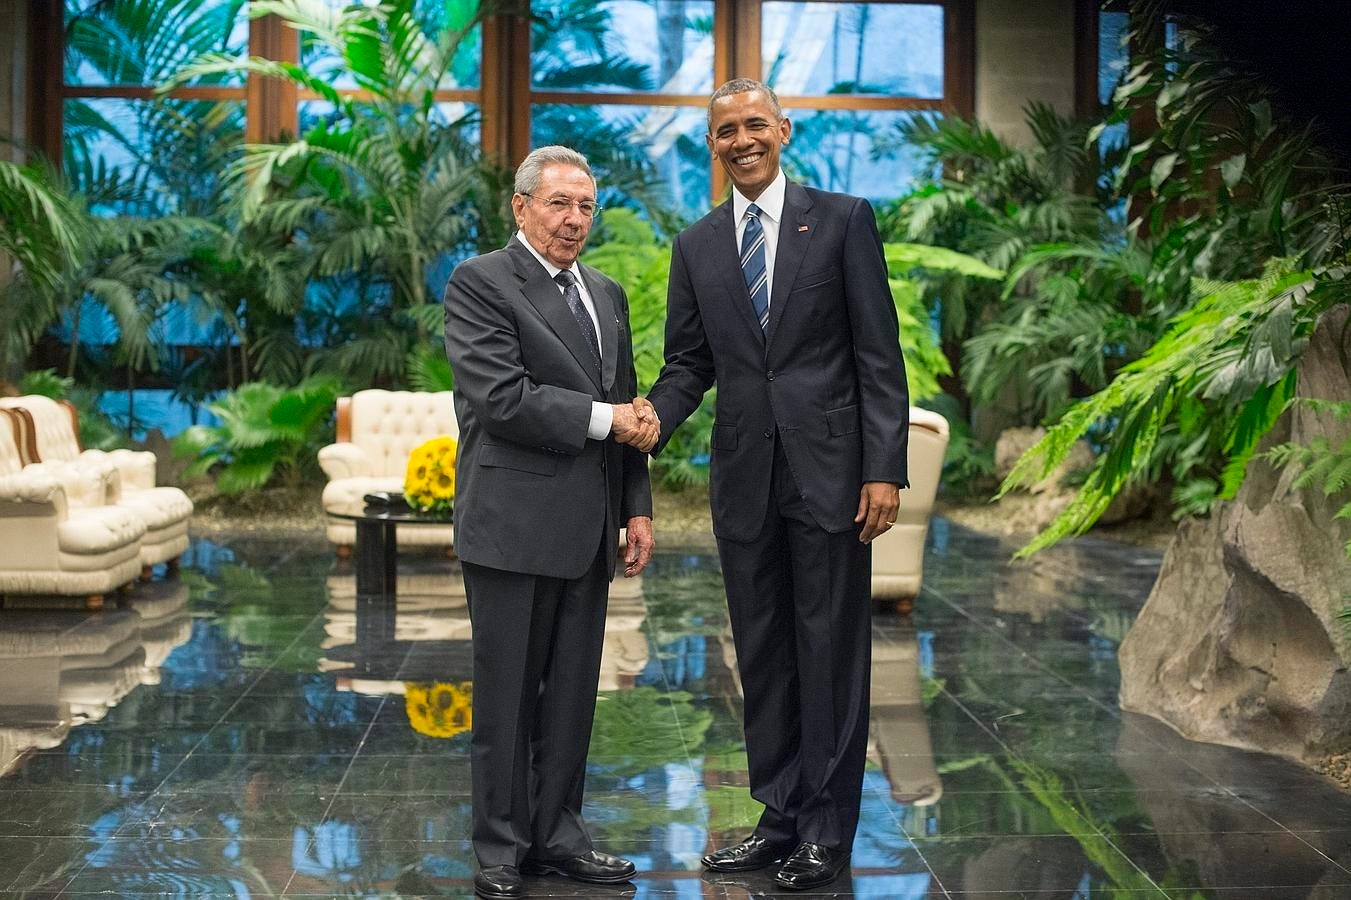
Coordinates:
[533,495]
[828,377]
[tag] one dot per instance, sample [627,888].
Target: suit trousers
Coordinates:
[799,599]
[537,645]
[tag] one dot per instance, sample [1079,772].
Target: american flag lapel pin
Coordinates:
[802,228]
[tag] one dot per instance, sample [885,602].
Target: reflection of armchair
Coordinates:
[49,542]
[898,738]
[54,438]
[377,431]
[898,555]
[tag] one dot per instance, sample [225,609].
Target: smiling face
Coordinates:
[558,235]
[746,136]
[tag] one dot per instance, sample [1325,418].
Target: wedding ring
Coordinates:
[891,523]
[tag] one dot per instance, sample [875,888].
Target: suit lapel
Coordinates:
[607,316]
[547,299]
[796,228]
[724,255]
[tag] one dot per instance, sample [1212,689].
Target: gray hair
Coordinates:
[531,169]
[745,86]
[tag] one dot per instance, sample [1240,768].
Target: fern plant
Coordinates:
[1218,379]
[1321,464]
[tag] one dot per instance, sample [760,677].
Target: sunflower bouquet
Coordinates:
[429,484]
[439,709]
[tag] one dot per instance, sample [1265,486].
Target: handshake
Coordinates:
[636,423]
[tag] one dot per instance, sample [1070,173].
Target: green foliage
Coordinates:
[1237,244]
[374,198]
[1321,464]
[628,722]
[909,268]
[97,431]
[265,430]
[38,229]
[1218,379]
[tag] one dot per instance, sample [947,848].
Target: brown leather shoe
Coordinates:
[753,853]
[592,867]
[811,865]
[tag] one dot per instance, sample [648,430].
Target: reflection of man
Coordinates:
[544,377]
[781,296]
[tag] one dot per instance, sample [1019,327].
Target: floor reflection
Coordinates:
[256,729]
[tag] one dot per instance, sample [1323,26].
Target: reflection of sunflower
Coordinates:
[439,709]
[429,482]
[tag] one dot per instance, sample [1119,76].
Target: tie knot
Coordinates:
[565,279]
[753,211]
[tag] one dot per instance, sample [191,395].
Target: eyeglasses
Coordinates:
[560,205]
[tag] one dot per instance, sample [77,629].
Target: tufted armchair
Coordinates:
[377,431]
[898,555]
[49,542]
[53,437]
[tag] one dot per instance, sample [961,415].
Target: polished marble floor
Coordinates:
[251,730]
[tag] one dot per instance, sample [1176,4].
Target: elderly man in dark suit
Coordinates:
[551,465]
[780,297]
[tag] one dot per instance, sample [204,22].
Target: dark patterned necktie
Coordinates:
[571,293]
[753,265]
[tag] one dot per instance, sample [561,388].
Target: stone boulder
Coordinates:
[1240,642]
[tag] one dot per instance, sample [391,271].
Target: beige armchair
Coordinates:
[898,555]
[377,431]
[50,544]
[53,437]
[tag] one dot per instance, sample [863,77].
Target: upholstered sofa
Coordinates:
[898,555]
[54,438]
[376,433]
[49,542]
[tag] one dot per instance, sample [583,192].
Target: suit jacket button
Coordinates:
[769,433]
[770,375]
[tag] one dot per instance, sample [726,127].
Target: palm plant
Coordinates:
[996,202]
[39,231]
[374,197]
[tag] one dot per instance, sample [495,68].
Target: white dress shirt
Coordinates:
[770,202]
[602,414]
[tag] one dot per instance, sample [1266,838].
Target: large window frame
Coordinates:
[504,97]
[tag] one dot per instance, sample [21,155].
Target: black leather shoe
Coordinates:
[753,853]
[499,881]
[811,865]
[592,867]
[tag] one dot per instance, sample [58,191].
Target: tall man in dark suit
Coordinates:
[780,296]
[550,466]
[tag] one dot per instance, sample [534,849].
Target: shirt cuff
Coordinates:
[602,419]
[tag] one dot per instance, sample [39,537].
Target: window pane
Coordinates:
[853,151]
[442,23]
[1113,56]
[151,157]
[654,156]
[623,46]
[143,44]
[853,48]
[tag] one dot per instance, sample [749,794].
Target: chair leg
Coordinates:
[171,568]
[147,573]
[344,551]
[450,552]
[94,602]
[905,605]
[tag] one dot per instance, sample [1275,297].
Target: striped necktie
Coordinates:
[753,265]
[573,296]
